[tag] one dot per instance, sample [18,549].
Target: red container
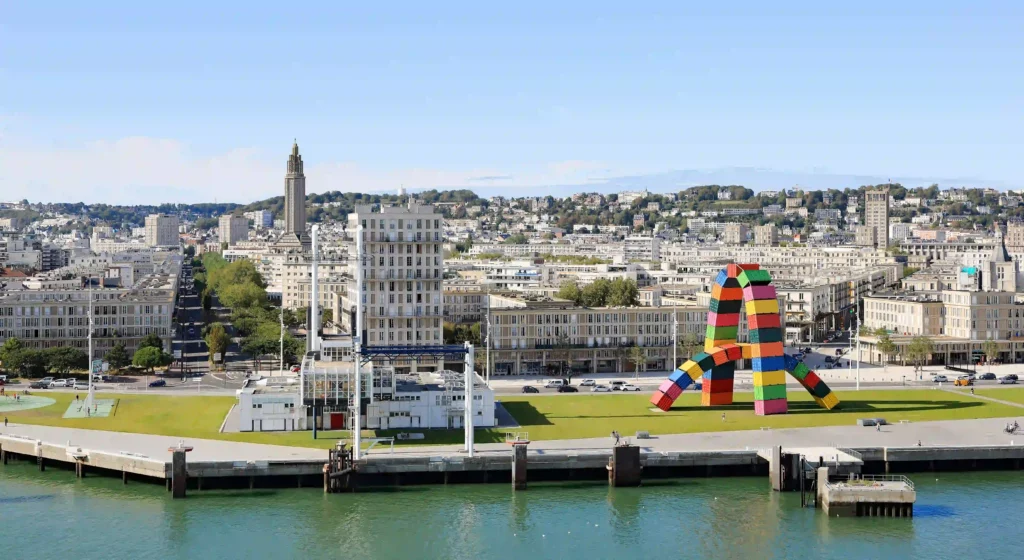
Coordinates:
[715,399]
[662,401]
[759,292]
[670,389]
[763,321]
[810,380]
[716,385]
[723,319]
[732,351]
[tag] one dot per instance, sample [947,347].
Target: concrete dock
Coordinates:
[947,446]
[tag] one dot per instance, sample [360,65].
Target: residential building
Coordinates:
[233,229]
[876,215]
[766,235]
[161,230]
[401,269]
[734,234]
[261,219]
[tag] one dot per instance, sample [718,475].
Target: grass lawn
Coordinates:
[1015,394]
[549,417]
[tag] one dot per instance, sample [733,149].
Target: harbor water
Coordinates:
[53,515]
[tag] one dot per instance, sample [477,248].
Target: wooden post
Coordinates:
[624,467]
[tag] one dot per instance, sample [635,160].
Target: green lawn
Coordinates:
[549,417]
[1015,394]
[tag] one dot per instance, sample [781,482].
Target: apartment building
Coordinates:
[734,234]
[296,271]
[232,229]
[161,230]
[766,235]
[402,271]
[464,301]
[262,219]
[47,313]
[876,215]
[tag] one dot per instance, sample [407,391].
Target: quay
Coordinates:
[963,445]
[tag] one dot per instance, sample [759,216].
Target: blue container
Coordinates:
[769,364]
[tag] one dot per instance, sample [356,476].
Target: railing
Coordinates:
[867,479]
[851,453]
[513,437]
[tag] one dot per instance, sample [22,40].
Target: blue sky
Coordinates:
[131,102]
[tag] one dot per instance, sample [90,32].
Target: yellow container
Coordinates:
[692,369]
[748,350]
[762,378]
[827,402]
[762,306]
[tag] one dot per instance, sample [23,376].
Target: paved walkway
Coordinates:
[987,431]
[984,398]
[155,447]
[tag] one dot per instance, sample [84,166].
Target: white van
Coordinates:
[554,383]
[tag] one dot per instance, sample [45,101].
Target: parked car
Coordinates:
[1008,380]
[568,389]
[600,389]
[157,383]
[987,376]
[940,379]
[295,369]
[59,383]
[81,385]
[588,383]
[530,389]
[46,381]
[617,385]
[628,387]
[39,385]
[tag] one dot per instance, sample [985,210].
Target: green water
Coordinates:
[51,515]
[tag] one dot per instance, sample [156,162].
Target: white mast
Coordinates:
[358,348]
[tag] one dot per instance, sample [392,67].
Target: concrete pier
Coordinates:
[866,495]
[179,471]
[624,467]
[519,466]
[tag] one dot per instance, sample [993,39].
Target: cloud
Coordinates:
[490,178]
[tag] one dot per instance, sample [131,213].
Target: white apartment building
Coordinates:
[233,229]
[161,230]
[262,219]
[402,272]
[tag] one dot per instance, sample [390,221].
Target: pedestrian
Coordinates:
[878,427]
[919,443]
[87,412]
[76,398]
[972,390]
[615,434]
[5,421]
[723,417]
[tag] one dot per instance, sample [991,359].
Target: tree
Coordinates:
[623,292]
[991,350]
[151,340]
[26,362]
[10,345]
[241,295]
[516,239]
[148,358]
[63,359]
[918,351]
[639,358]
[688,346]
[259,346]
[326,316]
[570,291]
[885,346]
[117,356]
[217,340]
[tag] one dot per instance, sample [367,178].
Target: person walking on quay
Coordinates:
[615,434]
[5,421]
[723,417]
[878,427]
[972,391]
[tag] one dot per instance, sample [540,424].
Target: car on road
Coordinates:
[629,387]
[1012,376]
[38,385]
[588,383]
[617,385]
[963,381]
[60,383]
[46,381]
[988,376]
[81,385]
[568,389]
[530,389]
[157,383]
[940,379]
[600,389]
[191,331]
[1007,380]
[295,369]
[552,383]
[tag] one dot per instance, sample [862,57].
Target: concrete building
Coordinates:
[261,219]
[734,234]
[233,229]
[876,215]
[866,236]
[402,271]
[161,230]
[766,235]
[464,301]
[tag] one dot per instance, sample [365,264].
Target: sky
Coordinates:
[149,102]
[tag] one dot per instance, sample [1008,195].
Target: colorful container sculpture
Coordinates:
[743,286]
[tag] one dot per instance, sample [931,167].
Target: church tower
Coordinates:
[295,203]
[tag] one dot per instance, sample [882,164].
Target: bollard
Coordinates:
[179,472]
[519,466]
[624,466]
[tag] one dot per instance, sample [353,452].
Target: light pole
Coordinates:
[281,355]
[487,341]
[88,401]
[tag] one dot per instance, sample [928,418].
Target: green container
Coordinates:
[770,334]
[721,333]
[769,392]
[755,277]
[800,371]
